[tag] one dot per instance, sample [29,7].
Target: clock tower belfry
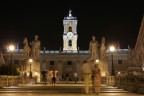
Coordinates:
[70,33]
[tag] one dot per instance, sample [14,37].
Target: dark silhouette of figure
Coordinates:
[53,77]
[44,77]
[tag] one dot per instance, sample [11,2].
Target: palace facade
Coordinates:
[69,60]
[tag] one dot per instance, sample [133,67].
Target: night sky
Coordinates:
[117,20]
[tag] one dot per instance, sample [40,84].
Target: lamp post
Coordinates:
[142,60]
[30,61]
[11,48]
[112,49]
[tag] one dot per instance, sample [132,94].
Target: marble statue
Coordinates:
[93,47]
[103,65]
[103,49]
[90,61]
[27,49]
[36,48]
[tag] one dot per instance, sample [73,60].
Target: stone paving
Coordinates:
[68,94]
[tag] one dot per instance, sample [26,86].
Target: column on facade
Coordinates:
[74,44]
[65,28]
[65,43]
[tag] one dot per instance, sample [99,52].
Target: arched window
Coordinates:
[70,42]
[70,29]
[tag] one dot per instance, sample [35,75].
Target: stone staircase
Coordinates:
[71,88]
[111,89]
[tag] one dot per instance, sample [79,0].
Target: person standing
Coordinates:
[75,77]
[53,77]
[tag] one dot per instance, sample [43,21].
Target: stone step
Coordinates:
[60,89]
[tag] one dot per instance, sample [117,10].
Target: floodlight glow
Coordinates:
[30,60]
[112,48]
[11,47]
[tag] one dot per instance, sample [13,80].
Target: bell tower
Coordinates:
[70,33]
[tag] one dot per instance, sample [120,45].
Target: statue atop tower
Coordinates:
[70,13]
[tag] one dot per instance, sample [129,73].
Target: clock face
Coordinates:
[70,34]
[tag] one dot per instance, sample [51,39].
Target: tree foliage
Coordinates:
[9,70]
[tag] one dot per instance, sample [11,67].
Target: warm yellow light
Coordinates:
[112,48]
[103,73]
[119,72]
[30,60]
[97,60]
[11,47]
[36,73]
[142,68]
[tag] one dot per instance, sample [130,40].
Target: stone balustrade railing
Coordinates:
[133,83]
[108,80]
[6,81]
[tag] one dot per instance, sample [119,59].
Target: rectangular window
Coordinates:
[120,62]
[16,61]
[51,63]
[69,62]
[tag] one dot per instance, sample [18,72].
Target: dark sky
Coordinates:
[117,20]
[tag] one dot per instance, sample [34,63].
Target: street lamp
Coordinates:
[11,48]
[112,49]
[30,61]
